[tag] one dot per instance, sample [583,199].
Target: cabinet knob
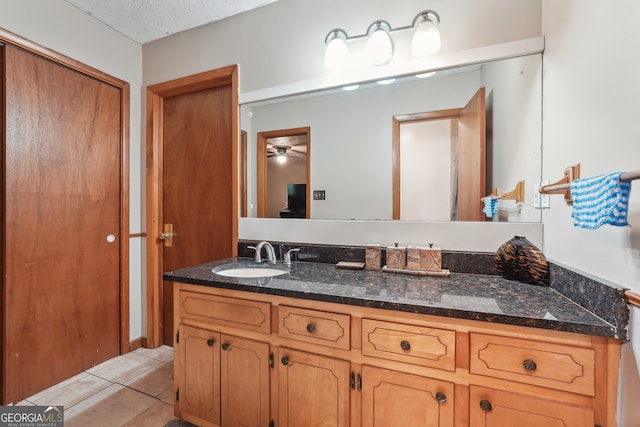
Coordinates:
[405,345]
[210,342]
[285,360]
[310,327]
[486,406]
[225,346]
[529,365]
[441,397]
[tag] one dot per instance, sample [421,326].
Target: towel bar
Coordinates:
[516,194]
[563,186]
[573,172]
[632,298]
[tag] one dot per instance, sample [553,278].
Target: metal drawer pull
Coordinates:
[529,365]
[441,397]
[310,327]
[210,342]
[486,406]
[405,345]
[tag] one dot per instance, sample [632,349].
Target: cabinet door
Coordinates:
[313,390]
[198,371]
[391,398]
[493,408]
[245,382]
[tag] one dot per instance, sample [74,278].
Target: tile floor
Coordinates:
[135,389]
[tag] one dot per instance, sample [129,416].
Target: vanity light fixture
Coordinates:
[337,52]
[386,81]
[426,75]
[379,51]
[379,44]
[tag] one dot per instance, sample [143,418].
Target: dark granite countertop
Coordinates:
[480,297]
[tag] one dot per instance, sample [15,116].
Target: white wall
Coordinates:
[591,87]
[58,26]
[284,41]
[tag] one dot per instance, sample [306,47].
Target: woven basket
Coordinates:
[519,259]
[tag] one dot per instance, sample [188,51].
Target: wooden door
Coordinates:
[244,382]
[62,212]
[193,183]
[198,374]
[471,159]
[313,390]
[391,398]
[493,408]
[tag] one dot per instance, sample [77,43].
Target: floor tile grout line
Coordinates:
[111,382]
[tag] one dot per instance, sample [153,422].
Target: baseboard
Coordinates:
[137,343]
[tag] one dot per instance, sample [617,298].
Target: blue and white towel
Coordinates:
[600,200]
[490,206]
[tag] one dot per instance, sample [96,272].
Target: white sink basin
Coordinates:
[248,271]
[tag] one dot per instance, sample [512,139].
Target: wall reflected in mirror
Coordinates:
[353,140]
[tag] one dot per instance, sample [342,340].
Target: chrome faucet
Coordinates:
[271,254]
[287,256]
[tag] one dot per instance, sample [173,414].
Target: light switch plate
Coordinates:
[319,195]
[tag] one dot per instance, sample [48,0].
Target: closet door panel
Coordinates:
[62,213]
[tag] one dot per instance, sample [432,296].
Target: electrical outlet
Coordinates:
[319,195]
[541,201]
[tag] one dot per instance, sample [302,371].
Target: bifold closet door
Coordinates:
[61,229]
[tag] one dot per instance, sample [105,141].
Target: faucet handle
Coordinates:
[287,256]
[256,257]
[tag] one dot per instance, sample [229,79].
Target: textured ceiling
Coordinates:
[147,20]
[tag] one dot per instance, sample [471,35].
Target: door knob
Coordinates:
[167,235]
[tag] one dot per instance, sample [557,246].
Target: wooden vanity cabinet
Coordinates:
[221,378]
[392,398]
[313,390]
[197,373]
[494,408]
[252,359]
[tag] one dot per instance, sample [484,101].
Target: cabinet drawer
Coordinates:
[558,366]
[239,313]
[417,345]
[318,327]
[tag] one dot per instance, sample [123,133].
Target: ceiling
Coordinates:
[147,20]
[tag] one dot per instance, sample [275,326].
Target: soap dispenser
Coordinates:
[431,258]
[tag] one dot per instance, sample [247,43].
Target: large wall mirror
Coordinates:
[353,161]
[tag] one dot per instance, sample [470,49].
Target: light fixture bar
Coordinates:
[424,14]
[425,41]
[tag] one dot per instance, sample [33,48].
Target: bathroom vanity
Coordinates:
[321,346]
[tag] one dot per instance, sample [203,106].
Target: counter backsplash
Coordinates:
[601,299]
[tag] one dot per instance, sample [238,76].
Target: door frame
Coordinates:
[58,58]
[156,94]
[261,174]
[450,114]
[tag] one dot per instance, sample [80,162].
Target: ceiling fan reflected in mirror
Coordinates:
[282,148]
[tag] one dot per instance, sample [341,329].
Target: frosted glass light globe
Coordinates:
[336,54]
[379,47]
[426,39]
